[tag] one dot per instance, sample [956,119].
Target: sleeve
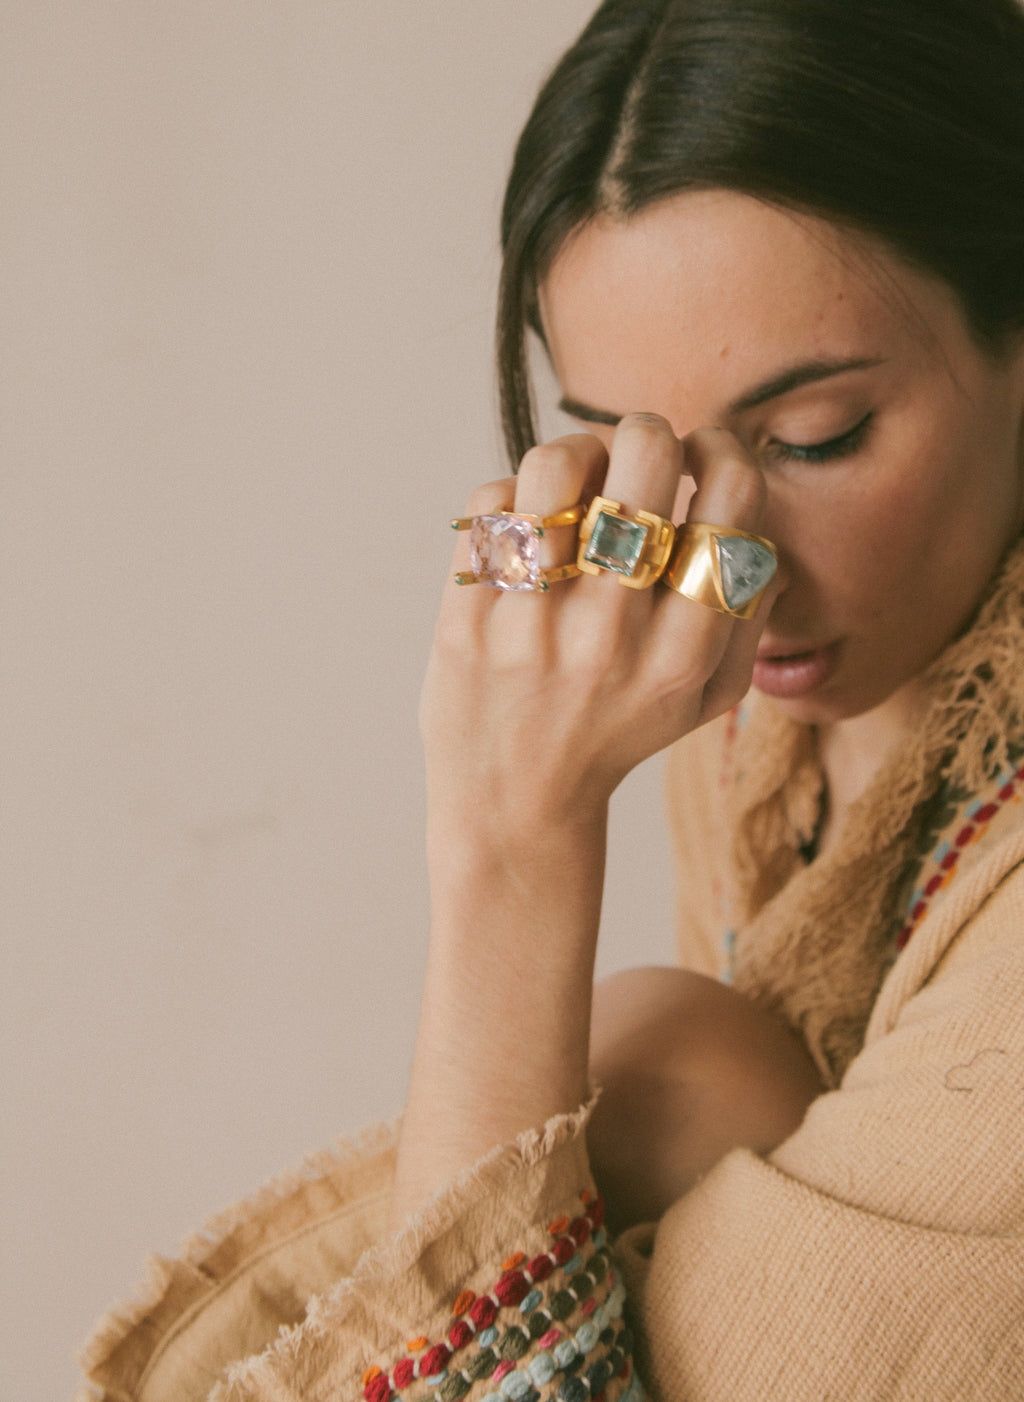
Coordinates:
[503,1288]
[879,1252]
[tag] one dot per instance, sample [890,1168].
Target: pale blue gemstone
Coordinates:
[615,544]
[746,567]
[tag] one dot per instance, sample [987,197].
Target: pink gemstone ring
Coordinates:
[504,551]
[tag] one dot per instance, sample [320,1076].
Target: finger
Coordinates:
[730,489]
[645,466]
[556,475]
[644,471]
[730,681]
[731,492]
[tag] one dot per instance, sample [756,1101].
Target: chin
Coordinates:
[832,704]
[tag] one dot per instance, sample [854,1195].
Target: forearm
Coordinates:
[504,1031]
[534,708]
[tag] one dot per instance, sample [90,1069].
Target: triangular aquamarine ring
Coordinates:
[720,567]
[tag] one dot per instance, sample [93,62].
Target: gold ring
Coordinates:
[635,548]
[722,568]
[540,524]
[540,583]
[504,553]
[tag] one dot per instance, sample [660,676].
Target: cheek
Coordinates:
[858,542]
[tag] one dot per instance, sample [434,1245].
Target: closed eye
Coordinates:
[844,446]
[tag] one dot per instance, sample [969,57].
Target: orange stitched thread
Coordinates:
[463,1303]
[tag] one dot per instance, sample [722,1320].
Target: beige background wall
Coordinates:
[247,272]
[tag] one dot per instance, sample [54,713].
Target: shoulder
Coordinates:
[974,911]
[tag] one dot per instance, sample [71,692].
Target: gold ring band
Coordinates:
[723,568]
[569,517]
[542,583]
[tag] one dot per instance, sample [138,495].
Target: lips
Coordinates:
[789,673]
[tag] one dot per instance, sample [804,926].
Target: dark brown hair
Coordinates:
[903,118]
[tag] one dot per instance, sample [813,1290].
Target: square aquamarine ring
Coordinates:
[635,548]
[504,551]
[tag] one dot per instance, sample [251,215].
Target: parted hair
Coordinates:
[900,118]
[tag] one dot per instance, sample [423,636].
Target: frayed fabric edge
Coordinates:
[399,1253]
[189,1273]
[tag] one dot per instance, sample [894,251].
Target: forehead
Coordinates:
[708,291]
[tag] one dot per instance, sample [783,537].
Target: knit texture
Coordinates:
[813,939]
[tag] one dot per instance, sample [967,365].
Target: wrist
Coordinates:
[509,891]
[479,830]
[549,865]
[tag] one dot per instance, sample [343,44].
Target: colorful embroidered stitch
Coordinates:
[474,1317]
[974,817]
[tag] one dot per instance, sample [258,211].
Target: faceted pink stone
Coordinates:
[503,552]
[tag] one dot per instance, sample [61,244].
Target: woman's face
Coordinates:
[891,443]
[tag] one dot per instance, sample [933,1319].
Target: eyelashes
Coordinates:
[843,446]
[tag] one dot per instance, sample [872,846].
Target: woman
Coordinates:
[773,249]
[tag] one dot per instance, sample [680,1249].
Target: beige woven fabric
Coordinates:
[878,1254]
[811,942]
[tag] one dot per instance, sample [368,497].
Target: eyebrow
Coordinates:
[808,373]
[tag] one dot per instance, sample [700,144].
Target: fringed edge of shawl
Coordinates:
[172,1285]
[352,1297]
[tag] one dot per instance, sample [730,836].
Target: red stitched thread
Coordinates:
[511,1289]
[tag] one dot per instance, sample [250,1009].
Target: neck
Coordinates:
[852,751]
